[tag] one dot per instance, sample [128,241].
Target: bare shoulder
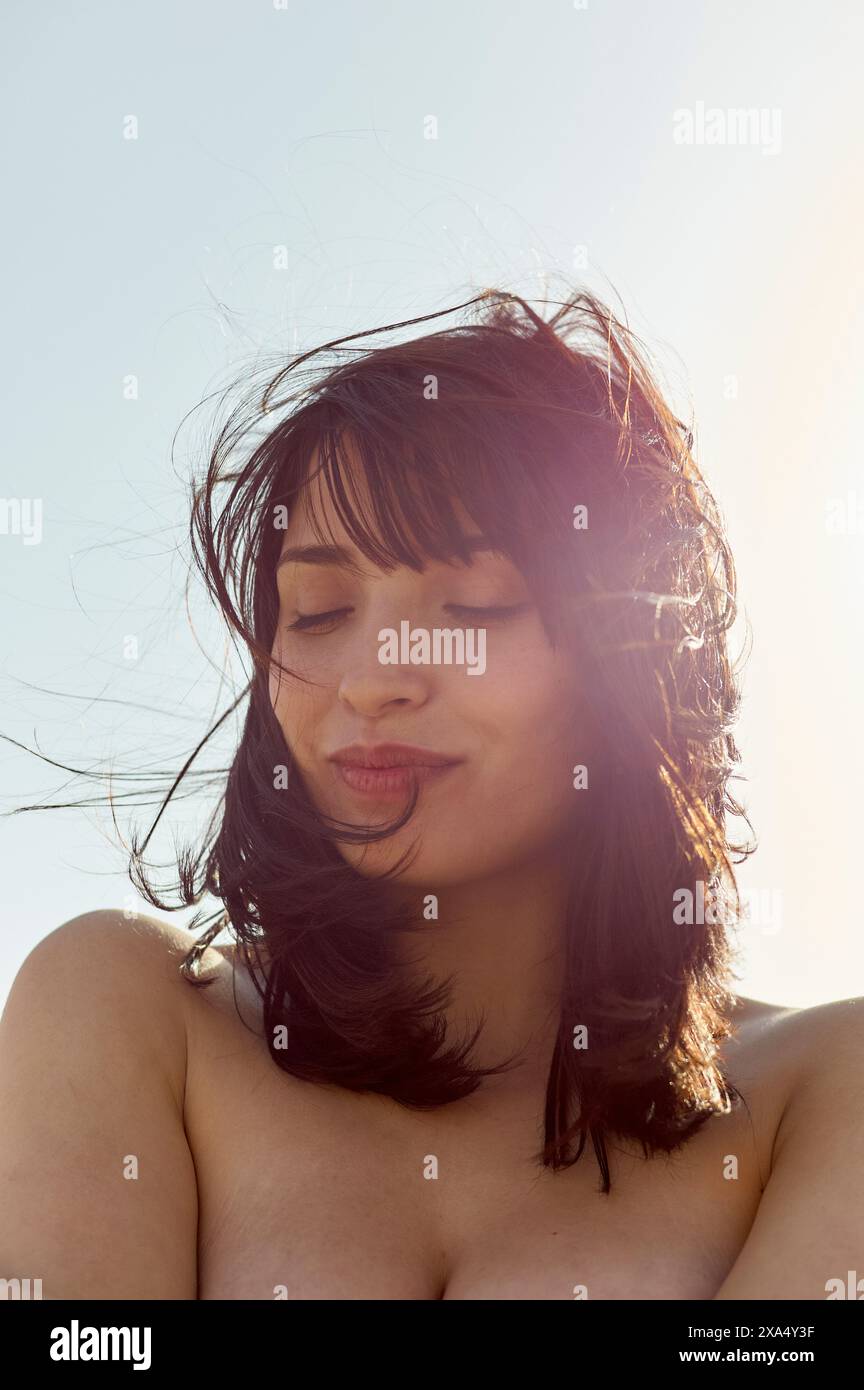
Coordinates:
[231,992]
[792,1039]
[97,1183]
[809,1230]
[780,1048]
[114,937]
[117,933]
[102,965]
[823,1047]
[754,1056]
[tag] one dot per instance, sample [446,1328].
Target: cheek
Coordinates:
[295,702]
[532,698]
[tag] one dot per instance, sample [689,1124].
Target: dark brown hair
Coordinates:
[522,417]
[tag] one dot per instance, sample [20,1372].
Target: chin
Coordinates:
[427,869]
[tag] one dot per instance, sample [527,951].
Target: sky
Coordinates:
[190,186]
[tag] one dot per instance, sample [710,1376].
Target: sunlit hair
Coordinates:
[522,417]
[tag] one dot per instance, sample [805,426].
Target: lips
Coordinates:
[388,770]
[388,755]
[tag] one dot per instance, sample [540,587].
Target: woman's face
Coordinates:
[511,728]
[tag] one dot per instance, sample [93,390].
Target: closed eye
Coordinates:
[314,622]
[308,622]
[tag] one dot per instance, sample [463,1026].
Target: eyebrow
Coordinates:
[339,556]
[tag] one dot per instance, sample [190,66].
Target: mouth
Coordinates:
[389,770]
[390,781]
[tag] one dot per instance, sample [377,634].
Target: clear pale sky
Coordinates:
[306,126]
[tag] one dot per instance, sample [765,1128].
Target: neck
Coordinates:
[502,942]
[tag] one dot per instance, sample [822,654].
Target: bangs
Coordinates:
[402,503]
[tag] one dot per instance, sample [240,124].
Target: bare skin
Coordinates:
[150,1147]
[252,1184]
[361,1220]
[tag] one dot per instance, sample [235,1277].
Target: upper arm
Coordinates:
[98,1197]
[809,1228]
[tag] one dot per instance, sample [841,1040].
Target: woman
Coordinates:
[474,1037]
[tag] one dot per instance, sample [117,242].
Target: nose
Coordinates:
[371,688]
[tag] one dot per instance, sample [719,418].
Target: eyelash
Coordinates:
[306,622]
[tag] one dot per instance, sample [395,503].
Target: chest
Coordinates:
[309,1192]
